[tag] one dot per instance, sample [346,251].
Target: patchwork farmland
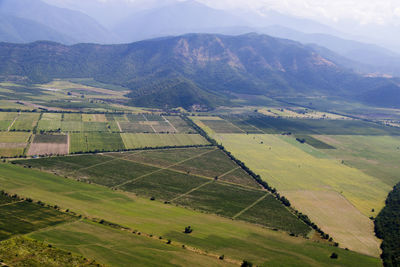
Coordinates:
[301,168]
[84,133]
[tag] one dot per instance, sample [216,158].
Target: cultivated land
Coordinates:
[117,248]
[49,144]
[92,142]
[188,180]
[378,156]
[12,144]
[22,251]
[21,217]
[235,239]
[25,122]
[291,171]
[141,140]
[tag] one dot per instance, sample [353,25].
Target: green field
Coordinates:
[189,181]
[179,124]
[235,239]
[113,247]
[377,156]
[297,174]
[270,125]
[313,142]
[25,122]
[87,142]
[21,217]
[134,127]
[132,140]
[13,144]
[6,118]
[23,251]
[50,122]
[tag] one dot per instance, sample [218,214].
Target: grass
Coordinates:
[134,127]
[50,122]
[12,144]
[271,213]
[179,124]
[377,156]
[161,184]
[72,117]
[272,125]
[290,169]
[25,217]
[222,126]
[14,137]
[314,142]
[164,157]
[71,126]
[50,138]
[25,122]
[6,118]
[116,248]
[95,127]
[22,251]
[164,185]
[86,142]
[159,140]
[212,164]
[234,239]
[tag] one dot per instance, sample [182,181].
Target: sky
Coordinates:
[378,12]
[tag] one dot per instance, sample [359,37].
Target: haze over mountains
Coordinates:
[204,69]
[25,21]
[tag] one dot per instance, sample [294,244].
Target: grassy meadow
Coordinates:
[235,239]
[292,170]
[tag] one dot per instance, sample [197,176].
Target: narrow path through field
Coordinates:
[11,203]
[101,163]
[176,131]
[149,123]
[68,142]
[249,207]
[228,172]
[163,168]
[119,126]
[16,117]
[192,174]
[190,191]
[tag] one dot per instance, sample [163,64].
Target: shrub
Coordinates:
[188,230]
[246,263]
[334,255]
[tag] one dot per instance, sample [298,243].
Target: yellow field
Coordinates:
[291,170]
[300,113]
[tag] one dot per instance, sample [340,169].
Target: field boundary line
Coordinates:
[149,123]
[11,203]
[161,169]
[191,174]
[249,207]
[119,126]
[101,163]
[234,125]
[253,126]
[176,131]
[12,123]
[191,190]
[228,172]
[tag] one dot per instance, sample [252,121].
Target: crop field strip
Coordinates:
[235,239]
[22,217]
[171,184]
[297,175]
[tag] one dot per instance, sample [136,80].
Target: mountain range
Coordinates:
[206,69]
[24,21]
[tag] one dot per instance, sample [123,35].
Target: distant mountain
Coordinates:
[192,69]
[31,20]
[174,19]
[373,58]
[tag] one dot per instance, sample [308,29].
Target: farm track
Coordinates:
[11,125]
[11,203]
[161,169]
[176,131]
[191,190]
[150,124]
[249,207]
[183,172]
